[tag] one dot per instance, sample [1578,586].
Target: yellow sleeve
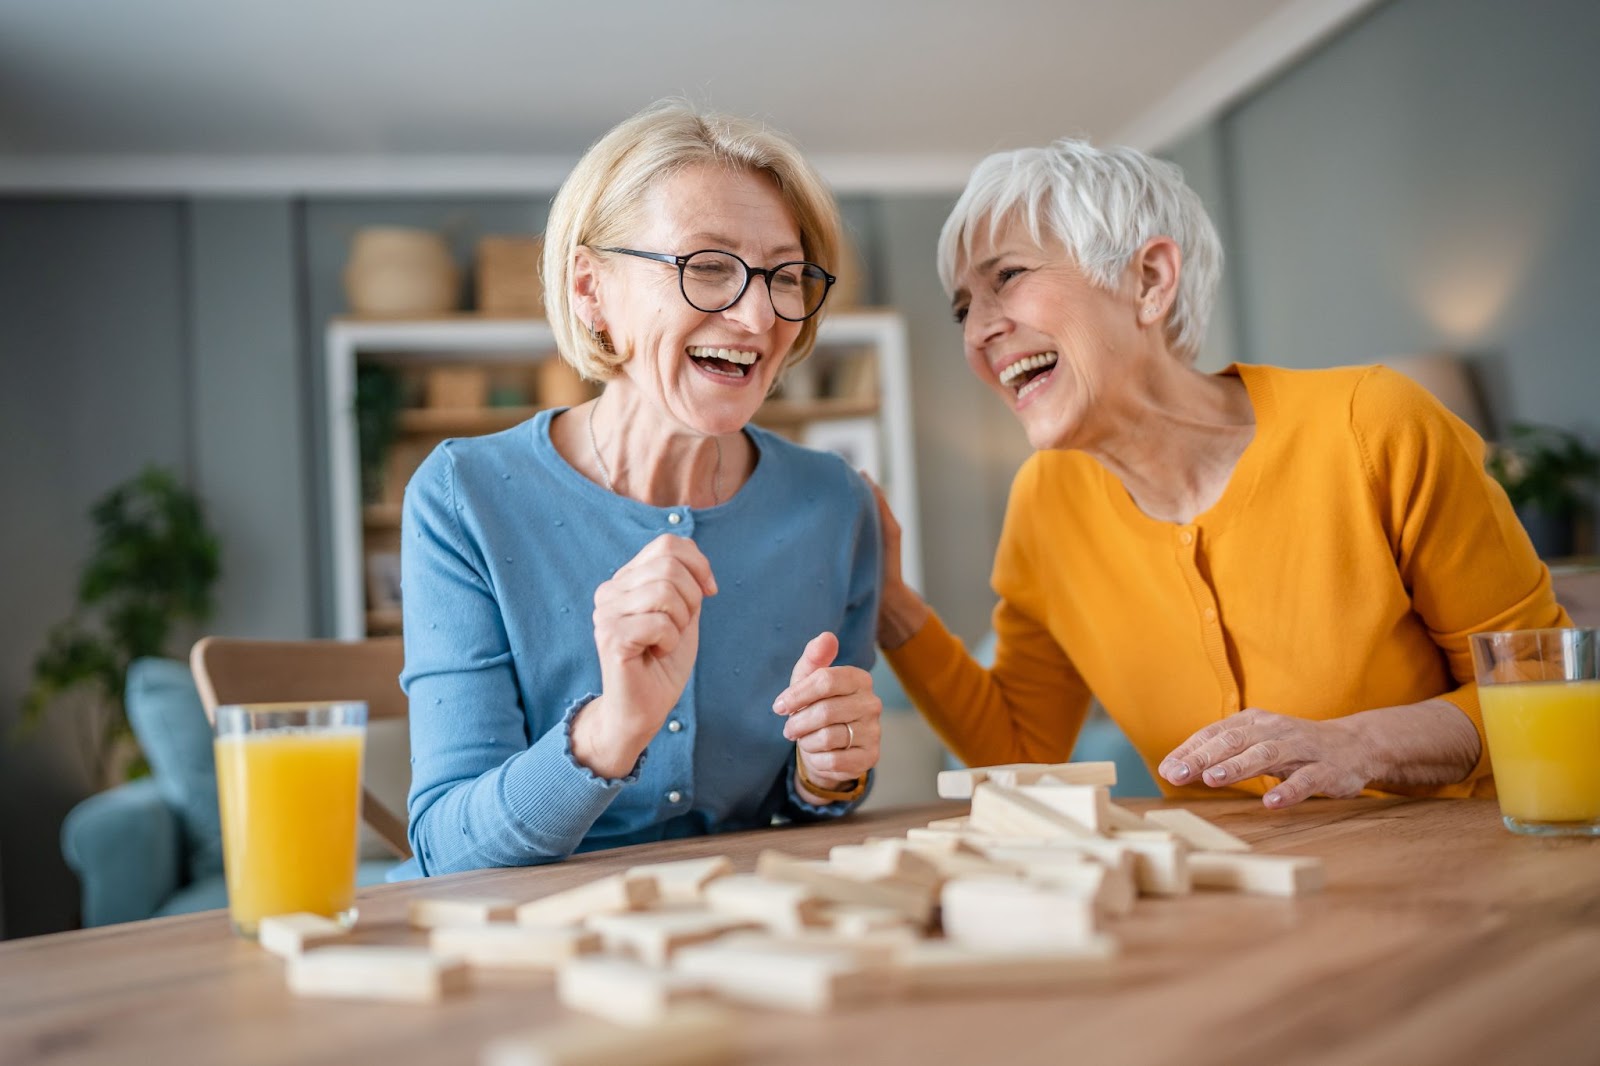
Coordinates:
[1458,545]
[1031,704]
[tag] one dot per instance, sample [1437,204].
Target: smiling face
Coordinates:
[1051,343]
[707,372]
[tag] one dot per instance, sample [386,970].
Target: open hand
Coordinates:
[1314,758]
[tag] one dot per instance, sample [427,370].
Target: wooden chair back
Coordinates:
[312,671]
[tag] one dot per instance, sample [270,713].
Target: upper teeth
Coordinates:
[731,355]
[1022,366]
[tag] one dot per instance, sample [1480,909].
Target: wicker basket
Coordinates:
[508,276]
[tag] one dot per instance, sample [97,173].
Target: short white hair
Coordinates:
[1103,205]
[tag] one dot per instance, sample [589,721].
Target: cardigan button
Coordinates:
[674,726]
[1186,537]
[674,796]
[674,518]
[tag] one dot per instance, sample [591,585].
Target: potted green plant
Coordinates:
[1549,473]
[380,394]
[154,564]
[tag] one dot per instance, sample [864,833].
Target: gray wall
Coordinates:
[1428,182]
[98,380]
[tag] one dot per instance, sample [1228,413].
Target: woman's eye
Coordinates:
[1005,274]
[960,315]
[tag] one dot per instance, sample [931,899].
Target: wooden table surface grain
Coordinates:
[1440,938]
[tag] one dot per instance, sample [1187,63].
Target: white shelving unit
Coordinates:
[479,340]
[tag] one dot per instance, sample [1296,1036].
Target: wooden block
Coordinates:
[786,978]
[1088,805]
[860,920]
[974,840]
[1064,773]
[960,784]
[694,1034]
[1262,875]
[1110,884]
[684,881]
[1015,915]
[1158,859]
[932,967]
[292,934]
[952,824]
[654,936]
[1195,831]
[463,910]
[874,861]
[966,862]
[1122,818]
[623,990]
[783,907]
[608,895]
[408,975]
[878,949]
[505,945]
[916,901]
[1009,812]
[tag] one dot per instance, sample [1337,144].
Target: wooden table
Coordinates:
[1440,938]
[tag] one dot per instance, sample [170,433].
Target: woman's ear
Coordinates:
[586,287]
[1157,266]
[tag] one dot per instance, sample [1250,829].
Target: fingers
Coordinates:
[1266,757]
[820,685]
[843,732]
[627,637]
[675,549]
[840,764]
[821,652]
[1208,746]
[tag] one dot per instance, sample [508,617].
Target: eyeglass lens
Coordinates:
[712,282]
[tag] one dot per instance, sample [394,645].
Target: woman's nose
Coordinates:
[753,309]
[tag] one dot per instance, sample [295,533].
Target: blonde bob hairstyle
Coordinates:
[1103,205]
[602,198]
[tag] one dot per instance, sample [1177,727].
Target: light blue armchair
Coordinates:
[153,847]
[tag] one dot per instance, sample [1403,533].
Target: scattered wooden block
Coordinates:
[503,945]
[859,920]
[407,975]
[694,1034]
[960,784]
[465,910]
[916,901]
[608,895]
[684,881]
[1087,805]
[655,936]
[964,861]
[1264,875]
[1015,915]
[1009,812]
[932,967]
[1124,819]
[879,949]
[293,934]
[1066,773]
[953,824]
[1160,861]
[1197,832]
[873,861]
[783,907]
[1111,884]
[784,977]
[623,990]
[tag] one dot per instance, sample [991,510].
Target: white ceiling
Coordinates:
[228,95]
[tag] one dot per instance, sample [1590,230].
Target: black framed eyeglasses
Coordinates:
[713,280]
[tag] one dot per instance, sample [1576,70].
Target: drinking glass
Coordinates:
[289,786]
[1540,694]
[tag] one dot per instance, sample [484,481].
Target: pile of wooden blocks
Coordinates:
[1018,893]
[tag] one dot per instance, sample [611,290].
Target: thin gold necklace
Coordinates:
[605,471]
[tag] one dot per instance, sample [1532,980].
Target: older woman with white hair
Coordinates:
[1266,576]
[602,603]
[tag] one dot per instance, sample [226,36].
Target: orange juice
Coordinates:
[1544,741]
[290,802]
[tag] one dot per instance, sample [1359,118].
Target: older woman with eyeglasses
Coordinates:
[1266,576]
[603,604]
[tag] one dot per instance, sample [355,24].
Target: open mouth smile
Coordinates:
[1028,373]
[733,363]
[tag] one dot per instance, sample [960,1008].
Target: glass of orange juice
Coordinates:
[1540,694]
[289,787]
